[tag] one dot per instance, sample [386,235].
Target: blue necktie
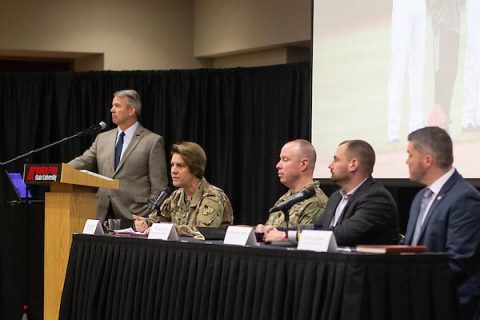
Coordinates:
[118,149]
[423,211]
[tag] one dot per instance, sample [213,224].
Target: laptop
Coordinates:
[16,179]
[209,233]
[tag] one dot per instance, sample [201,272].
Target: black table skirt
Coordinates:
[128,278]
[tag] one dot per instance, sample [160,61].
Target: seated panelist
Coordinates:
[195,203]
[295,171]
[445,215]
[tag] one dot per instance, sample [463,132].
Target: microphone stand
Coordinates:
[27,202]
[48,146]
[285,242]
[286,217]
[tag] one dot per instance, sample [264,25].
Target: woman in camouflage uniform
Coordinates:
[195,203]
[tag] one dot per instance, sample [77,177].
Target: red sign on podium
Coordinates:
[43,173]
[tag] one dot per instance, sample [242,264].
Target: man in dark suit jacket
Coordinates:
[362,211]
[445,215]
[141,166]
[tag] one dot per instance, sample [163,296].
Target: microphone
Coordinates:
[285,205]
[94,128]
[160,199]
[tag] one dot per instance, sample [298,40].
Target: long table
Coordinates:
[128,278]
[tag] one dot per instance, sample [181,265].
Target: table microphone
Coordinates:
[286,205]
[164,193]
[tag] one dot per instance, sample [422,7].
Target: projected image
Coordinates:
[407,51]
[382,69]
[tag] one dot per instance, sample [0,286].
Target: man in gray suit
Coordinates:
[131,154]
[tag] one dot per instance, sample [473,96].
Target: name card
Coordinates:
[163,231]
[93,227]
[317,240]
[240,236]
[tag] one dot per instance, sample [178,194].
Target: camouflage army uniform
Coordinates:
[302,212]
[209,207]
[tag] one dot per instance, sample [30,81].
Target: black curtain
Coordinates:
[241,117]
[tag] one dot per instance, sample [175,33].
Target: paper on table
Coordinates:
[129,231]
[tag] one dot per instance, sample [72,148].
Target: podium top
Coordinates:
[64,173]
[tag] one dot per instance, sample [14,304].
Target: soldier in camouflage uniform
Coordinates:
[196,203]
[295,170]
[302,212]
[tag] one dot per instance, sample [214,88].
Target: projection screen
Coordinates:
[384,68]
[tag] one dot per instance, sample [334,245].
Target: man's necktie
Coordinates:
[118,149]
[423,211]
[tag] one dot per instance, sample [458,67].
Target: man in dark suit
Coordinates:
[362,211]
[445,215]
[130,153]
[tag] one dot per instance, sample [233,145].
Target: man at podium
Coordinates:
[130,153]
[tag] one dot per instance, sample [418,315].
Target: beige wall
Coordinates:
[280,55]
[156,34]
[145,34]
[232,27]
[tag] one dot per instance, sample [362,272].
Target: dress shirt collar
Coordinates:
[129,132]
[346,195]
[440,182]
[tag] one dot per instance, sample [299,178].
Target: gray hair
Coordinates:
[134,99]
[436,141]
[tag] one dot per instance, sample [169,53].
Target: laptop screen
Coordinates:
[19,185]
[217,233]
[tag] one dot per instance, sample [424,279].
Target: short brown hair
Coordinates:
[193,155]
[363,151]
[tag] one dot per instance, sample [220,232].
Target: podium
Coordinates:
[70,202]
